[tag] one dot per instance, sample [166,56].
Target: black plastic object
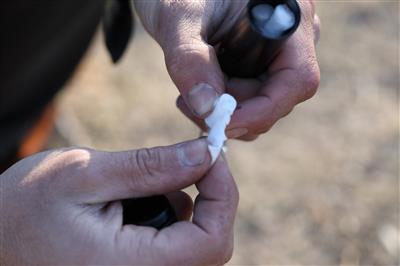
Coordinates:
[155,211]
[246,52]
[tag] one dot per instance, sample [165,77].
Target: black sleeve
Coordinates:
[41,42]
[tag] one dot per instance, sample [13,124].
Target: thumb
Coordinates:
[144,172]
[194,68]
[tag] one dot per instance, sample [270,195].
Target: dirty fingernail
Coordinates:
[201,98]
[236,132]
[193,153]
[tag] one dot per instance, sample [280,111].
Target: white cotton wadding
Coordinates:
[281,20]
[261,14]
[217,121]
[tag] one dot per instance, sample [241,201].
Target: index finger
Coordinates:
[208,239]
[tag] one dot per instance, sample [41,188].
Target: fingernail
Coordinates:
[193,153]
[236,132]
[201,98]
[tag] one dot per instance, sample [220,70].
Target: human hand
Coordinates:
[62,207]
[189,32]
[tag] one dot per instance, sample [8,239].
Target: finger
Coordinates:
[235,133]
[182,204]
[180,103]
[279,96]
[231,133]
[292,78]
[295,74]
[243,89]
[206,241]
[216,204]
[213,218]
[194,68]
[145,172]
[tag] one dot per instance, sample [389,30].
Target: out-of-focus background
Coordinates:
[322,187]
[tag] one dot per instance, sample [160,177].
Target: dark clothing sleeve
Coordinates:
[41,42]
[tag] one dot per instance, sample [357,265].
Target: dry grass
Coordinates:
[322,186]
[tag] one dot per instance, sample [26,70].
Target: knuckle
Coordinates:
[149,162]
[311,80]
[287,111]
[220,252]
[229,252]
[221,249]
[173,62]
[266,126]
[180,55]
[263,124]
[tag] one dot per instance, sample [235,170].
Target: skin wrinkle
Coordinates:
[204,54]
[153,240]
[158,241]
[148,173]
[182,24]
[99,167]
[148,163]
[143,241]
[184,48]
[213,228]
[180,153]
[131,161]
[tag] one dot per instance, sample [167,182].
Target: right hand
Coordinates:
[189,33]
[62,207]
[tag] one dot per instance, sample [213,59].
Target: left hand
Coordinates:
[188,32]
[63,207]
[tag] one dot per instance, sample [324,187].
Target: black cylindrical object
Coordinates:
[155,211]
[247,51]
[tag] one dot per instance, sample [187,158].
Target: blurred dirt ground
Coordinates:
[322,187]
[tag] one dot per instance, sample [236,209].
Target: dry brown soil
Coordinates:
[321,188]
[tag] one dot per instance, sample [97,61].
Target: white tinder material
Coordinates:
[262,13]
[273,24]
[217,121]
